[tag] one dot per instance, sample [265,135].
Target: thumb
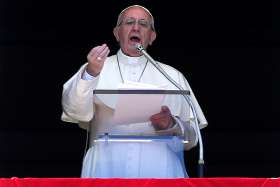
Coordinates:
[165,109]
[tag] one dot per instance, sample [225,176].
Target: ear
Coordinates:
[152,37]
[116,33]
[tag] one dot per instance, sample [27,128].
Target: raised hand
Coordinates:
[96,58]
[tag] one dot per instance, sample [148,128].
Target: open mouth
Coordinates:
[135,39]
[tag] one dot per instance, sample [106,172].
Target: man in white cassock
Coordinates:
[163,156]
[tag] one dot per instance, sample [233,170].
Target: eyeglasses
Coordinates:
[132,21]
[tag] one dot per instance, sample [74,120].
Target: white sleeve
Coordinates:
[77,98]
[185,129]
[189,132]
[87,76]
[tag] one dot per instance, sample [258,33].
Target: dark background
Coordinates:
[228,50]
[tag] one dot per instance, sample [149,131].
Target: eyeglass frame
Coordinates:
[134,21]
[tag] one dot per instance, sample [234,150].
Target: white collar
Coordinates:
[124,59]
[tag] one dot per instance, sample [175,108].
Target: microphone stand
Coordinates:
[140,48]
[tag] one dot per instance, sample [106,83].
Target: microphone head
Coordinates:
[139,47]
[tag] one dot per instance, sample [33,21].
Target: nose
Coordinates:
[136,26]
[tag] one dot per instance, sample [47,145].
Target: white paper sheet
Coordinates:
[137,108]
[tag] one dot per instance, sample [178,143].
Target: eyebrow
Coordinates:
[135,18]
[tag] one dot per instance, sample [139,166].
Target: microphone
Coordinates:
[198,116]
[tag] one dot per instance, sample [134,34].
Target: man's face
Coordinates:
[135,28]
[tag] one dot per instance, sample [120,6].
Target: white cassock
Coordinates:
[162,158]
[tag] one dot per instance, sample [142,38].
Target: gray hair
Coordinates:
[119,22]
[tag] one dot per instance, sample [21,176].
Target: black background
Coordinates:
[228,51]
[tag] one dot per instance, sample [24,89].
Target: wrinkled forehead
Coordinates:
[127,11]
